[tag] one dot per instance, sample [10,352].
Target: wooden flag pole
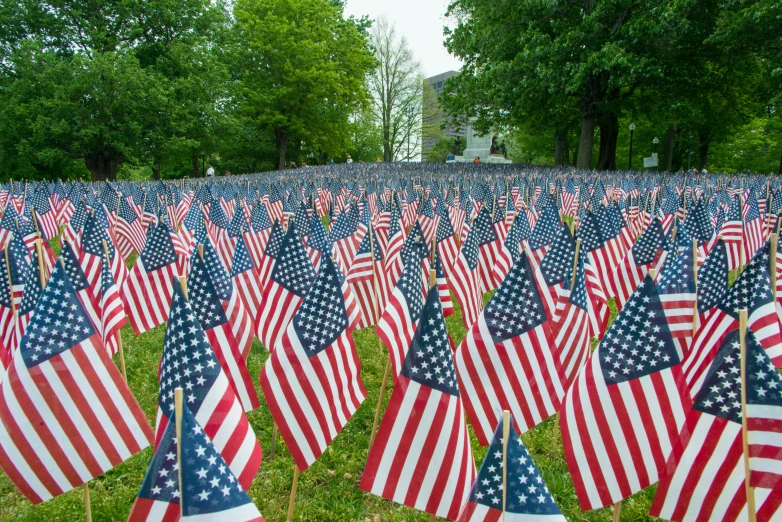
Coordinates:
[87,506]
[119,333]
[695,277]
[750,491]
[8,275]
[617,511]
[41,266]
[374,273]
[178,407]
[292,501]
[575,265]
[773,263]
[505,437]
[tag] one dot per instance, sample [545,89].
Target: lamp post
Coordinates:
[630,159]
[656,141]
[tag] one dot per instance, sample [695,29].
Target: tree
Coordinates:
[396,90]
[300,71]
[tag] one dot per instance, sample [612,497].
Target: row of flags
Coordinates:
[301,264]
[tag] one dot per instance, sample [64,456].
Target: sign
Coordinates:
[650,162]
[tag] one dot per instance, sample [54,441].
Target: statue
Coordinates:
[504,150]
[494,149]
[458,145]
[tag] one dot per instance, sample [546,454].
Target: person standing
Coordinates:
[210,172]
[350,160]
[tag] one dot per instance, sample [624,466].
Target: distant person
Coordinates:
[293,165]
[477,159]
[228,173]
[349,160]
[210,172]
[450,158]
[378,160]
[331,162]
[304,164]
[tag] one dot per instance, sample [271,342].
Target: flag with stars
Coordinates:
[91,252]
[510,252]
[556,266]
[312,379]
[396,239]
[751,290]
[208,309]
[442,283]
[527,496]
[646,253]
[400,316]
[245,278]
[712,280]
[464,280]
[366,280]
[624,410]
[446,239]
[66,414]
[7,321]
[754,227]
[290,279]
[318,242]
[489,245]
[32,291]
[676,287]
[704,477]
[112,310]
[188,362]
[544,232]
[41,201]
[508,359]
[571,327]
[257,234]
[211,491]
[421,456]
[147,289]
[732,232]
[270,252]
[128,230]
[78,279]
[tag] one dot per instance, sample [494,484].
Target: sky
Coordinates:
[421,21]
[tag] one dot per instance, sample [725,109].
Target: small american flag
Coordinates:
[312,380]
[754,228]
[646,253]
[489,245]
[571,327]
[208,309]
[41,201]
[112,310]
[258,234]
[442,283]
[546,229]
[188,362]
[732,231]
[527,496]
[366,280]
[676,288]
[712,280]
[463,280]
[624,410]
[245,278]
[291,278]
[270,253]
[421,457]
[507,361]
[211,491]
[704,476]
[128,230]
[66,414]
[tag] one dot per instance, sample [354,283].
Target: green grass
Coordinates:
[328,490]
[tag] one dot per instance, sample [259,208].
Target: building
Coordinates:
[438,82]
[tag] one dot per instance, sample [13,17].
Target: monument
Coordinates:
[484,147]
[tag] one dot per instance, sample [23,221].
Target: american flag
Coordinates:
[754,228]
[128,230]
[19,265]
[546,229]
[751,290]
[712,280]
[258,233]
[507,256]
[366,280]
[8,224]
[318,241]
[421,457]
[66,414]
[290,279]
[188,362]
[489,246]
[398,322]
[245,278]
[208,309]
[427,220]
[240,321]
[624,410]
[91,251]
[209,487]
[44,211]
[312,380]
[270,252]
[463,280]
[646,253]
[507,361]
[446,241]
[7,318]
[396,238]
[191,225]
[342,235]
[442,283]
[704,477]
[147,290]
[85,294]
[556,266]
[676,288]
[112,310]
[571,327]
[32,291]
[732,232]
[527,496]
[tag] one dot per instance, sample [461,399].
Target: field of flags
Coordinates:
[678,388]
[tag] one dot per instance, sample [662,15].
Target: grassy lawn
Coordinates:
[328,490]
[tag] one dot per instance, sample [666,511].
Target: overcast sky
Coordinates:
[421,21]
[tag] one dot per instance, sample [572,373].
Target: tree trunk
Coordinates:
[609,133]
[194,165]
[780,166]
[103,165]
[156,168]
[282,137]
[560,149]
[668,152]
[584,160]
[387,152]
[703,151]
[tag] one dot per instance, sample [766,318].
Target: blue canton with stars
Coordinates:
[429,360]
[653,239]
[527,493]
[188,360]
[516,306]
[713,277]
[238,223]
[217,272]
[677,277]
[32,287]
[93,237]
[639,341]
[322,317]
[259,218]
[483,229]
[546,228]
[318,238]
[589,233]
[159,250]
[293,269]
[242,262]
[558,261]
[73,268]
[414,246]
[410,285]
[273,244]
[203,297]
[752,289]
[58,323]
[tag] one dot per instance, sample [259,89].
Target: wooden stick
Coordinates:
[575,265]
[41,266]
[274,441]
[617,510]
[652,273]
[178,407]
[183,282]
[383,385]
[292,501]
[119,333]
[505,436]
[750,491]
[695,277]
[8,275]
[87,506]
[376,307]
[773,262]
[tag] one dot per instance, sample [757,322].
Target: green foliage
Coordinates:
[444,146]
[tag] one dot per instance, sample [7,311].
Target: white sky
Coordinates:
[421,21]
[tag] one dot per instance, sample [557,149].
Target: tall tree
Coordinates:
[300,69]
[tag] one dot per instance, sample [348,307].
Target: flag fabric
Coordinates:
[128,230]
[624,410]
[676,288]
[712,280]
[208,309]
[66,414]
[704,477]
[270,253]
[754,228]
[644,254]
[571,327]
[290,279]
[508,361]
[489,245]
[311,381]
[528,497]
[210,489]
[188,362]
[464,280]
[245,278]
[421,456]
[366,280]
[442,282]
[44,211]
[32,291]
[112,310]
[148,289]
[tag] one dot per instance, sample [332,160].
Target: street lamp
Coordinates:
[656,141]
[630,160]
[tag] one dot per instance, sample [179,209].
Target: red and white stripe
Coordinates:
[148,296]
